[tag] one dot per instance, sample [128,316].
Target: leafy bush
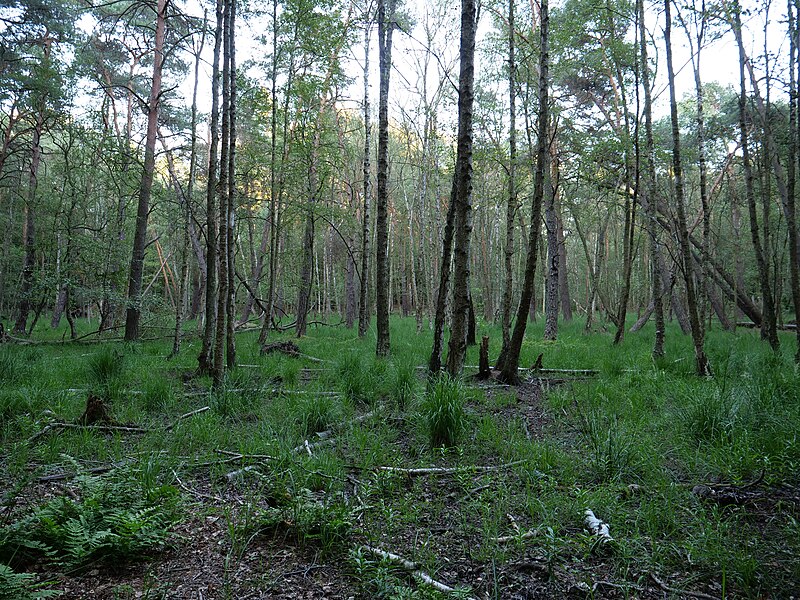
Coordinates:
[114,517]
[443,411]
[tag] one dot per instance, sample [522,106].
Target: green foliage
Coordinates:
[316,413]
[611,453]
[443,411]
[11,366]
[105,370]
[355,382]
[118,517]
[404,384]
[158,394]
[22,586]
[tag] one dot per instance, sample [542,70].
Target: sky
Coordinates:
[440,24]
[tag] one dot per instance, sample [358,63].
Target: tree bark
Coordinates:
[134,310]
[648,199]
[363,305]
[457,348]
[510,365]
[701,360]
[768,325]
[386,24]
[205,358]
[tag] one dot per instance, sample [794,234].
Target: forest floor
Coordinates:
[291,479]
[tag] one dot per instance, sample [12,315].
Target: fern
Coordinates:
[117,517]
[22,586]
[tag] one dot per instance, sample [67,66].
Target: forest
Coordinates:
[384,299]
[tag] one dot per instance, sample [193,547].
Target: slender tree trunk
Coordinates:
[134,310]
[457,348]
[275,189]
[363,305]
[230,209]
[702,364]
[222,200]
[187,210]
[649,200]
[509,367]
[768,329]
[551,300]
[386,26]
[511,206]
[29,226]
[205,359]
[789,206]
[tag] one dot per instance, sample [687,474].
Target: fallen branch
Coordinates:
[596,526]
[413,568]
[186,416]
[450,470]
[121,428]
[324,437]
[673,590]
[518,535]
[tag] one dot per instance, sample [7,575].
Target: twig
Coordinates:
[673,590]
[186,416]
[193,492]
[413,568]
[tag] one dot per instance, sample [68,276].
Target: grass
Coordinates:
[630,444]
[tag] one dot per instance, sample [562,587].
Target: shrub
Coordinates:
[443,411]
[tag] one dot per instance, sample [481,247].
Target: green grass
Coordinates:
[630,444]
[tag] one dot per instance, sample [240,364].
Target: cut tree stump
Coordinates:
[96,412]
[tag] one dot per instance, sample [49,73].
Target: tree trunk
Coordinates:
[180,310]
[29,228]
[702,364]
[768,328]
[205,358]
[218,371]
[230,209]
[511,207]
[386,26]
[134,310]
[551,299]
[363,305]
[648,199]
[789,208]
[457,348]
[511,363]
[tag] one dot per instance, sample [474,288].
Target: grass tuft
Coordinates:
[443,411]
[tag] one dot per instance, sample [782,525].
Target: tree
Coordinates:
[463,197]
[386,25]
[508,370]
[134,310]
[687,265]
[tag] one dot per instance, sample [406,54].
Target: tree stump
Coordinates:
[484,371]
[96,412]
